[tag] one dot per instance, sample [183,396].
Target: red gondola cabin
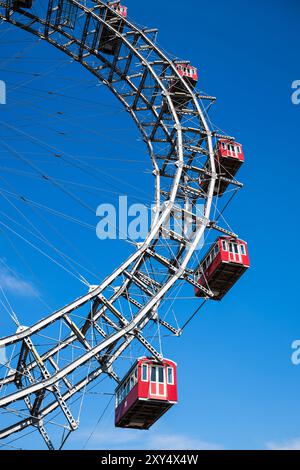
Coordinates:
[109,42]
[229,157]
[146,393]
[120,9]
[190,75]
[222,266]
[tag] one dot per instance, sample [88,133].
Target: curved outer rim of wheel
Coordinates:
[163,210]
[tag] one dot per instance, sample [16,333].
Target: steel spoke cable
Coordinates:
[97,424]
[62,215]
[42,237]
[42,252]
[25,263]
[43,176]
[57,184]
[70,261]
[41,75]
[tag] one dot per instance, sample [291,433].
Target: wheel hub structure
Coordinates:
[41,382]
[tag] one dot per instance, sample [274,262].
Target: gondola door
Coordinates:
[234,252]
[158,388]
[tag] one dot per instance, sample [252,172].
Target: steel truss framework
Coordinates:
[117,311]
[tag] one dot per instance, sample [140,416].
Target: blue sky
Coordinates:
[237,385]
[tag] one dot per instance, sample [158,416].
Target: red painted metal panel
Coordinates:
[121,9]
[144,387]
[229,157]
[232,150]
[126,404]
[232,257]
[188,71]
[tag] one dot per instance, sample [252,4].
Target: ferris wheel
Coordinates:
[192,163]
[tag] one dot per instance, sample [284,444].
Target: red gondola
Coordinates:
[21,4]
[229,157]
[222,266]
[190,75]
[146,393]
[121,9]
[109,42]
